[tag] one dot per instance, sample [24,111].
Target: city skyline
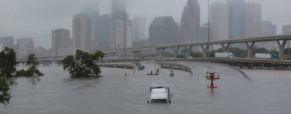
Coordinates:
[41,34]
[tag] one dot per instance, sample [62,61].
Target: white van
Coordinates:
[160,94]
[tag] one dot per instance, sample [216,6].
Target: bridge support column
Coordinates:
[160,52]
[281,48]
[205,50]
[250,49]
[176,50]
[188,50]
[136,53]
[225,47]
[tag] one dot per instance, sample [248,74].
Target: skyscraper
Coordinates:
[163,30]
[286,30]
[25,43]
[190,22]
[236,10]
[6,42]
[253,19]
[82,31]
[122,29]
[219,23]
[118,9]
[60,40]
[105,38]
[93,11]
[268,28]
[139,28]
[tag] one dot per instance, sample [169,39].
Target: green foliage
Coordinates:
[4,91]
[83,64]
[7,62]
[32,70]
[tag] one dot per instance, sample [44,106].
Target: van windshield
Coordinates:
[159,101]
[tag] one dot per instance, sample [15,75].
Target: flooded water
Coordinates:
[55,93]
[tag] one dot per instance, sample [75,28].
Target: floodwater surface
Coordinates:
[268,92]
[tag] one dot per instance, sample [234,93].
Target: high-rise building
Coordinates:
[25,43]
[60,40]
[253,20]
[163,30]
[190,22]
[219,23]
[82,31]
[236,10]
[123,35]
[286,30]
[122,26]
[118,9]
[139,28]
[105,38]
[205,32]
[93,11]
[268,28]
[6,42]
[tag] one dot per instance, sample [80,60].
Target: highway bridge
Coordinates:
[249,62]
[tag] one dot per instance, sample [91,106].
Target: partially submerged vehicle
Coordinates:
[160,94]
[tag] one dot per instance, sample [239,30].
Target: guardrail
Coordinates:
[175,66]
[126,65]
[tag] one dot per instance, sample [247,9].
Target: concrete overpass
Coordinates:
[280,40]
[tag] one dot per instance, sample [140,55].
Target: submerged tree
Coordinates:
[83,65]
[7,62]
[4,91]
[32,70]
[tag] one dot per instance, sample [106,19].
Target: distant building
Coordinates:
[268,28]
[163,30]
[253,19]
[105,39]
[190,22]
[286,30]
[236,10]
[93,11]
[82,32]
[139,28]
[60,40]
[25,43]
[7,42]
[219,23]
[118,9]
[122,35]
[205,32]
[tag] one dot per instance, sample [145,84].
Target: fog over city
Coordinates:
[36,18]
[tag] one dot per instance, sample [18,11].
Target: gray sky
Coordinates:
[36,18]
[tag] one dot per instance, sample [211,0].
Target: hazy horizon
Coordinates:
[36,18]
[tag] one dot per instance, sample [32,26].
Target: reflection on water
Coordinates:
[56,93]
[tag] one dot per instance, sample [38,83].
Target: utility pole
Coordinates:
[125,30]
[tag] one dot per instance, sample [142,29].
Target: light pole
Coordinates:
[125,30]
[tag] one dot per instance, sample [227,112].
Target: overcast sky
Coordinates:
[36,18]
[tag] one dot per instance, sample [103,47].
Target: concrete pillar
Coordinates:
[160,52]
[225,47]
[281,48]
[205,50]
[176,50]
[136,53]
[188,50]
[250,49]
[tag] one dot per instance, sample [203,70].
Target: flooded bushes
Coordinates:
[4,91]
[83,64]
[32,70]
